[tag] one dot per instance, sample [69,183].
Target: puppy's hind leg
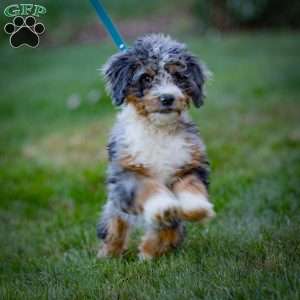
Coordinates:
[159,241]
[160,210]
[114,231]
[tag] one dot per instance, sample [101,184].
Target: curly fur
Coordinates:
[154,147]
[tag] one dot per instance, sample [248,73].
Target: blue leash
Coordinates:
[109,25]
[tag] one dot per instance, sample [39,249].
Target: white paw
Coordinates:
[144,256]
[102,253]
[195,207]
[162,208]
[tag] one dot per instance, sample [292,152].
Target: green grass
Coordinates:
[52,170]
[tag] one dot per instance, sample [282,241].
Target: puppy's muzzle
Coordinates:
[167,99]
[167,102]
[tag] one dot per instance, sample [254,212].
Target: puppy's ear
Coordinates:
[118,72]
[198,74]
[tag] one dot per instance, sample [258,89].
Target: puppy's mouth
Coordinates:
[167,111]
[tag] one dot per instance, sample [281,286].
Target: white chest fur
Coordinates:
[157,149]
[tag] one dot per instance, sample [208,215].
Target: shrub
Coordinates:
[228,14]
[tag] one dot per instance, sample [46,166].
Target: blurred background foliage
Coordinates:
[75,20]
[250,14]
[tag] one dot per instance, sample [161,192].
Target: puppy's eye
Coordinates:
[146,79]
[175,66]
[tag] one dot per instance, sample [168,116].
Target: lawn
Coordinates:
[52,172]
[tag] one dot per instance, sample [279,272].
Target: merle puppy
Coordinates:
[158,169]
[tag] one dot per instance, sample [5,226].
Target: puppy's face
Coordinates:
[158,76]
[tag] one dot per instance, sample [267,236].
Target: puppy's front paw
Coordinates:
[195,207]
[162,209]
[168,217]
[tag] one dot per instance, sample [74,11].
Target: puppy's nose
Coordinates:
[167,99]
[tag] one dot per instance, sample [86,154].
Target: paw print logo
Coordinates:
[24,32]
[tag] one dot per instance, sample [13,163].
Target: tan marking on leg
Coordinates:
[191,184]
[157,243]
[116,239]
[194,216]
[148,188]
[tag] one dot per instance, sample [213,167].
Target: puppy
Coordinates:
[158,169]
